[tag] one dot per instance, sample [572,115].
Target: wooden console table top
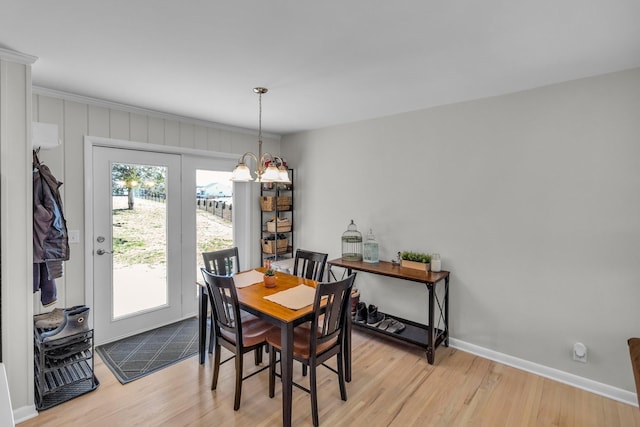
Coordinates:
[386,268]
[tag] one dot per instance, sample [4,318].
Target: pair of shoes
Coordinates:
[75,321]
[53,318]
[391,325]
[68,350]
[373,317]
[361,312]
[355,299]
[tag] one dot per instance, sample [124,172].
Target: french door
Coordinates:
[137,277]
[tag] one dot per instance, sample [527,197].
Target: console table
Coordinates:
[428,336]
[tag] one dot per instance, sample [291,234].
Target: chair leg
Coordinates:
[304,370]
[343,388]
[212,337]
[314,396]
[216,368]
[258,355]
[272,371]
[239,366]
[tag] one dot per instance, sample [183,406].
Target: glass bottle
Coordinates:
[352,244]
[436,265]
[370,249]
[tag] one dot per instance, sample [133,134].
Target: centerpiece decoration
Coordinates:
[270,278]
[415,260]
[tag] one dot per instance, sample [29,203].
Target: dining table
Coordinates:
[251,298]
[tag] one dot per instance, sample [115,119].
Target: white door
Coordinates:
[136,241]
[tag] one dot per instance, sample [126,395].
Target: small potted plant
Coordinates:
[270,278]
[415,260]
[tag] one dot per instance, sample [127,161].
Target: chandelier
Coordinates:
[269,168]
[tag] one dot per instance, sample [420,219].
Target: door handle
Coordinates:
[102,252]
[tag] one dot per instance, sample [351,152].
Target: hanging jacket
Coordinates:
[50,235]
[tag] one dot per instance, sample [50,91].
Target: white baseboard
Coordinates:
[25,413]
[601,389]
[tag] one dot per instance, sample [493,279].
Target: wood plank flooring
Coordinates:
[393,385]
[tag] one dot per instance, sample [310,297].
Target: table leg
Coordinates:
[430,342]
[202,335]
[286,363]
[446,311]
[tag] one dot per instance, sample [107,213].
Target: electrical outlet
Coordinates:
[580,352]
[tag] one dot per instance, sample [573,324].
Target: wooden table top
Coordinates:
[253,297]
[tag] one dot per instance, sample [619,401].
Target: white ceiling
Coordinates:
[324,62]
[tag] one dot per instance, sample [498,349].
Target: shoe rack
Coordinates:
[63,368]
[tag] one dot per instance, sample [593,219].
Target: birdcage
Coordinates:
[352,243]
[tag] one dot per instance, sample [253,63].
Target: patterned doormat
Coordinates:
[140,355]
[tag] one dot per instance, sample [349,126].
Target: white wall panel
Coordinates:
[172,133]
[139,127]
[187,135]
[156,131]
[119,125]
[75,128]
[98,121]
[200,138]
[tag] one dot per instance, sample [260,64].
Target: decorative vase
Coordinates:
[415,265]
[269,281]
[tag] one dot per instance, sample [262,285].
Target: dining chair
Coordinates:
[634,353]
[239,337]
[309,264]
[315,344]
[223,262]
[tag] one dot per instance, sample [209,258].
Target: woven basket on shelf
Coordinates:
[279,226]
[269,245]
[268,203]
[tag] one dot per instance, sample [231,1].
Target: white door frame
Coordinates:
[244,229]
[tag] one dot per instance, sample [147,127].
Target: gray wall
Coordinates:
[532,199]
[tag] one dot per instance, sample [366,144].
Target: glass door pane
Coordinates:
[139,238]
[214,226]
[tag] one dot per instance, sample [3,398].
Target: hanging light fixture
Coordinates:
[269,168]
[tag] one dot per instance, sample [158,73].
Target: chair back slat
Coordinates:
[224,262]
[309,264]
[329,323]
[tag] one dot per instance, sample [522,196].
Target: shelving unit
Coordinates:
[276,200]
[63,368]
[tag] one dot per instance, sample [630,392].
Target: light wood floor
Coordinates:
[393,385]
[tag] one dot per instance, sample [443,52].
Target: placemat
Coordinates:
[294,298]
[247,278]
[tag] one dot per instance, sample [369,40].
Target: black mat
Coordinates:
[140,355]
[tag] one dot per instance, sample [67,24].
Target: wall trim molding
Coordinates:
[67,96]
[20,58]
[586,384]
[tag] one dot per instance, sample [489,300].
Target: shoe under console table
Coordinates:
[428,336]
